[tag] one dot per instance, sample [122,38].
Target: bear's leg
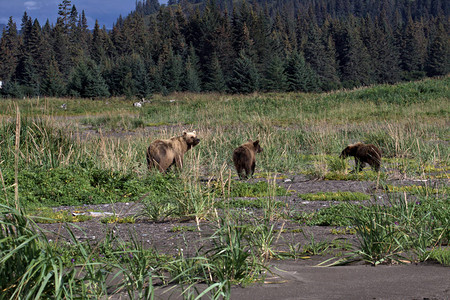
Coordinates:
[359,165]
[239,170]
[248,171]
[253,169]
[376,166]
[178,162]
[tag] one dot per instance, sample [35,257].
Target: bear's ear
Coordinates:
[184,132]
[194,132]
[255,143]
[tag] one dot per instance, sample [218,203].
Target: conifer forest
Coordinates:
[226,46]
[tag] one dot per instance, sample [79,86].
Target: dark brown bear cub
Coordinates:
[363,153]
[162,154]
[244,158]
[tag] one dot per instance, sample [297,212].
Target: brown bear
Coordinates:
[164,153]
[363,153]
[244,158]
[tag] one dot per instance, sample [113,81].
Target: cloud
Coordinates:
[31,5]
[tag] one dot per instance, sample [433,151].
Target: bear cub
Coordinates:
[162,154]
[244,158]
[363,153]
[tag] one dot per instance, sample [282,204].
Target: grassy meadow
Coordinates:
[93,152]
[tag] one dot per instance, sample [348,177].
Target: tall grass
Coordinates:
[401,229]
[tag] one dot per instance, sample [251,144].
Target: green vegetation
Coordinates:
[246,189]
[441,255]
[47,215]
[335,196]
[54,161]
[333,215]
[417,189]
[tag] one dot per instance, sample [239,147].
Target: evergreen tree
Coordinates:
[191,78]
[320,55]
[384,53]
[98,51]
[353,57]
[27,76]
[438,60]
[64,10]
[171,75]
[26,27]
[53,85]
[86,81]
[82,37]
[9,48]
[140,77]
[300,76]
[39,49]
[413,52]
[151,7]
[61,48]
[245,78]
[216,77]
[275,79]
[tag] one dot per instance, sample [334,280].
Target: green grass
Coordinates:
[335,196]
[48,215]
[333,215]
[54,161]
[291,127]
[417,189]
[441,255]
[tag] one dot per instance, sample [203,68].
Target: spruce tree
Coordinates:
[86,81]
[438,60]
[245,78]
[98,51]
[191,80]
[61,48]
[172,72]
[52,84]
[140,77]
[64,10]
[300,76]
[27,76]
[413,52]
[354,59]
[384,53]
[9,48]
[216,80]
[320,55]
[275,79]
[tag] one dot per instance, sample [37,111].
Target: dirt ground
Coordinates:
[290,279]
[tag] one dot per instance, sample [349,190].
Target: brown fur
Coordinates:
[244,158]
[363,153]
[162,154]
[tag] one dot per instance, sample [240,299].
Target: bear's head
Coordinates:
[191,138]
[350,150]
[257,146]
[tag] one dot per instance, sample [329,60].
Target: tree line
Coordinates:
[226,46]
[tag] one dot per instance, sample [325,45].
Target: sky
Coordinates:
[105,11]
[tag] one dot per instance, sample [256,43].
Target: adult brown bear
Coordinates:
[363,153]
[244,158]
[162,154]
